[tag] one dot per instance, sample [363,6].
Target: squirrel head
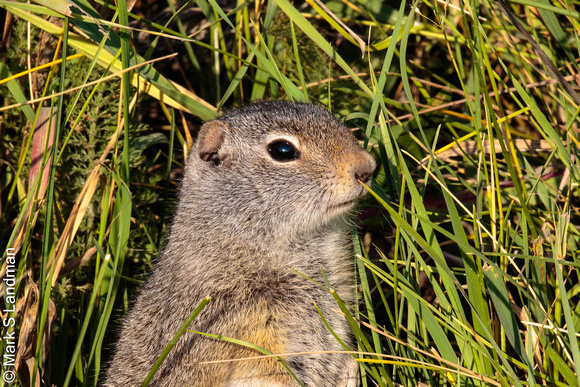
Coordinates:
[275,168]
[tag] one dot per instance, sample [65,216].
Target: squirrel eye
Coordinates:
[283,150]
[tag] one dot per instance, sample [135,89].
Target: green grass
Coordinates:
[468,254]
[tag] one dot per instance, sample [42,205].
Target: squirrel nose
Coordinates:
[364,169]
[363,176]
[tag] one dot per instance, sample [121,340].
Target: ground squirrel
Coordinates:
[266,195]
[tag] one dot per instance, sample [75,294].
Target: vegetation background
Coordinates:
[467,253]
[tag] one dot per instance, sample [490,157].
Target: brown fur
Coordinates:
[245,225]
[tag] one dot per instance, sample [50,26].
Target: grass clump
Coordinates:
[467,256]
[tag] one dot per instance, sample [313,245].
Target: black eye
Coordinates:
[283,150]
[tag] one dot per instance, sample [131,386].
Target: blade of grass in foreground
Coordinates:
[48,241]
[174,340]
[560,249]
[86,320]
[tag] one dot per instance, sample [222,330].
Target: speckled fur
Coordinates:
[242,223]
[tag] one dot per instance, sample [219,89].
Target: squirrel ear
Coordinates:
[210,139]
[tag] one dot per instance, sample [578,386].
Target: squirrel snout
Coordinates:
[364,168]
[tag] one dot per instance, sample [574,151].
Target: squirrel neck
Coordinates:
[208,244]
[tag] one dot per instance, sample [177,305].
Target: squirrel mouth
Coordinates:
[344,206]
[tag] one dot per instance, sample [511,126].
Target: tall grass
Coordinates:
[467,255]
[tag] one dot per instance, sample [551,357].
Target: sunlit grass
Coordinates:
[468,263]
